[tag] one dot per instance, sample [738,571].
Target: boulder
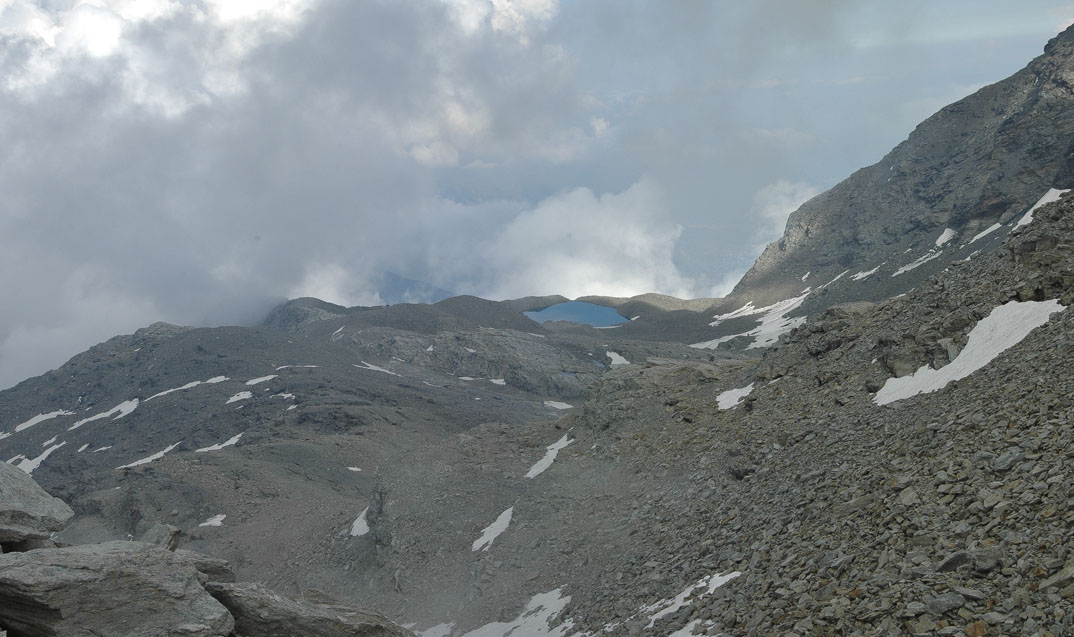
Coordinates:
[26,510]
[260,612]
[165,536]
[212,569]
[124,589]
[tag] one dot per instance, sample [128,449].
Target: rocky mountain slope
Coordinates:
[896,463]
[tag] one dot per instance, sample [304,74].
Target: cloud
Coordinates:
[775,202]
[579,243]
[196,161]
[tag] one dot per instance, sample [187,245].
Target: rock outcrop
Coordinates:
[116,588]
[261,612]
[26,511]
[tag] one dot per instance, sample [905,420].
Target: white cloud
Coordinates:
[776,201]
[578,243]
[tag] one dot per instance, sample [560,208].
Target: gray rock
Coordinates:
[213,569]
[260,612]
[125,589]
[943,603]
[165,536]
[26,510]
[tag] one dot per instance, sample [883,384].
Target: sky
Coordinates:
[198,161]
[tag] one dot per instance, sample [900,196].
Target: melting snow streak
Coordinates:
[157,456]
[534,621]
[1049,197]
[732,397]
[41,418]
[492,531]
[216,520]
[122,409]
[218,447]
[374,368]
[242,395]
[360,527]
[1004,328]
[29,464]
[549,457]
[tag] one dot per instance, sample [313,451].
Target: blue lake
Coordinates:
[579,312]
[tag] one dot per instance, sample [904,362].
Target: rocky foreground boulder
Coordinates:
[26,511]
[115,588]
[262,612]
[140,589]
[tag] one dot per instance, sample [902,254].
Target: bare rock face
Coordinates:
[260,612]
[26,510]
[127,589]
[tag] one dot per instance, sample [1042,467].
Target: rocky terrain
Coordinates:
[140,589]
[869,437]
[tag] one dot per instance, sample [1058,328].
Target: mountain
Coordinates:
[850,449]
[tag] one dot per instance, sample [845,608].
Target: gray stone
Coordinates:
[943,603]
[1007,459]
[165,536]
[1061,579]
[26,510]
[126,589]
[260,612]
[213,569]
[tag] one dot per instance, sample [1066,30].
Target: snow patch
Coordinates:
[1049,197]
[806,276]
[497,381]
[217,447]
[1002,329]
[41,418]
[29,464]
[339,330]
[122,409]
[555,404]
[987,231]
[549,457]
[440,630]
[944,237]
[49,441]
[616,359]
[157,456]
[360,527]
[262,379]
[472,351]
[774,322]
[242,395]
[190,385]
[534,621]
[704,586]
[733,397]
[492,531]
[864,275]
[353,469]
[922,260]
[216,520]
[374,368]
[82,448]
